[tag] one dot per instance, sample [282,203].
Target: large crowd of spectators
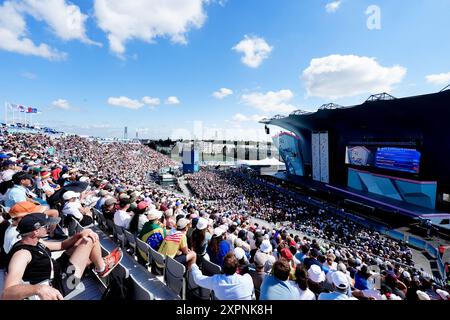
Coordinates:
[259,261]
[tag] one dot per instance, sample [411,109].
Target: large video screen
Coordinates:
[399,159]
[390,158]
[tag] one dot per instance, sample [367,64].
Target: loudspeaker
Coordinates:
[267,129]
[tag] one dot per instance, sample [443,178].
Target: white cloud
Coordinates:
[239,117]
[172,100]
[151,101]
[439,79]
[65,19]
[125,102]
[147,19]
[28,75]
[338,76]
[13,35]
[255,50]
[222,93]
[270,102]
[61,104]
[333,6]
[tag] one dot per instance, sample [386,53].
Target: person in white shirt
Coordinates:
[73,207]
[227,286]
[122,218]
[301,278]
[341,285]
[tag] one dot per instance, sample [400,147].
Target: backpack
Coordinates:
[119,288]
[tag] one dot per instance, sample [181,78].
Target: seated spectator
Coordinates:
[175,244]
[122,218]
[341,286]
[227,286]
[287,254]
[153,231]
[264,254]
[304,249]
[311,259]
[30,261]
[139,218]
[17,212]
[200,237]
[301,278]
[103,195]
[72,208]
[109,208]
[278,286]
[316,279]
[19,191]
[239,253]
[218,247]
[257,273]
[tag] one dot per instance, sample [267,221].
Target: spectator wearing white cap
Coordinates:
[72,208]
[200,237]
[264,254]
[341,285]
[121,217]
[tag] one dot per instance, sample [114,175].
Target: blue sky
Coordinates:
[102,57]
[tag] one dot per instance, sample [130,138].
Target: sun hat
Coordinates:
[340,280]
[218,232]
[154,215]
[239,253]
[265,246]
[316,274]
[182,223]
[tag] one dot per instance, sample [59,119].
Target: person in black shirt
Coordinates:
[30,261]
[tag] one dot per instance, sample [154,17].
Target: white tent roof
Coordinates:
[264,162]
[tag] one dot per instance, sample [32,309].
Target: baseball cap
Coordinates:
[142,205]
[23,208]
[34,221]
[218,232]
[202,223]
[340,280]
[110,201]
[423,295]
[154,215]
[239,253]
[182,223]
[70,194]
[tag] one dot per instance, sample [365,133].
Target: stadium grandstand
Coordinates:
[80,218]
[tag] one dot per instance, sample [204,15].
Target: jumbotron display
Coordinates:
[396,159]
[399,159]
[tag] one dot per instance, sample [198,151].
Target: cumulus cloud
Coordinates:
[222,93]
[148,19]
[255,50]
[13,35]
[270,102]
[239,117]
[438,79]
[333,6]
[65,20]
[338,76]
[172,100]
[61,104]
[151,101]
[125,102]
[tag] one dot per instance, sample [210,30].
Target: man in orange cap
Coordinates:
[17,212]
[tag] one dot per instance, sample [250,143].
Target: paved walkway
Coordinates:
[183,186]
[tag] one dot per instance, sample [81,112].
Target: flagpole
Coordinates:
[6,113]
